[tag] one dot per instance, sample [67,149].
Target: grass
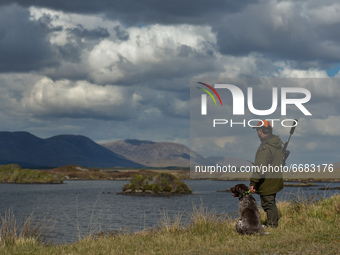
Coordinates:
[29,230]
[74,172]
[15,174]
[307,226]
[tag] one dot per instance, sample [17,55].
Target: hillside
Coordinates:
[28,150]
[155,154]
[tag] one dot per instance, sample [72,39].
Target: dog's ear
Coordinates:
[240,188]
[245,187]
[234,192]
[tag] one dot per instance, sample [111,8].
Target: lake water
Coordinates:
[82,207]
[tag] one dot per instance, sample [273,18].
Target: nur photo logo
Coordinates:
[294,97]
[204,97]
[238,99]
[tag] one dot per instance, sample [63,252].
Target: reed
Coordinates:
[29,228]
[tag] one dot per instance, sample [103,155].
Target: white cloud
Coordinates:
[325,14]
[78,99]
[294,73]
[146,49]
[239,66]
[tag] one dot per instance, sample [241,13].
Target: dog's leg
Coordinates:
[239,226]
[263,232]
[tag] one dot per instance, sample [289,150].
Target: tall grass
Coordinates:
[30,228]
[305,227]
[204,219]
[170,224]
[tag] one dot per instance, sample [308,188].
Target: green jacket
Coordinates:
[268,154]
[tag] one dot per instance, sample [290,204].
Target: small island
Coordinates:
[157,185]
[13,173]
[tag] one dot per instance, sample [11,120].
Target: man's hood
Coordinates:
[273,140]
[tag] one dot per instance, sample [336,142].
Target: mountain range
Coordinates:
[30,151]
[156,154]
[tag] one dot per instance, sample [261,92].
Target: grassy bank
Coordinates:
[15,174]
[74,172]
[307,226]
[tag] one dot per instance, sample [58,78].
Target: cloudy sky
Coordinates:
[119,69]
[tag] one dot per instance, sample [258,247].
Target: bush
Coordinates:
[160,183]
[14,174]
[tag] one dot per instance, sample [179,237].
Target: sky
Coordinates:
[114,70]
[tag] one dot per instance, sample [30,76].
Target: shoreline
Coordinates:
[174,236]
[146,194]
[300,183]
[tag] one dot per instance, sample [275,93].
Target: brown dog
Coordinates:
[249,222]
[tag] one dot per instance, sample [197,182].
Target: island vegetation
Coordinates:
[159,184]
[75,172]
[13,173]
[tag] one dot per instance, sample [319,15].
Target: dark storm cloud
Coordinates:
[23,45]
[71,51]
[90,34]
[145,11]
[279,32]
[121,33]
[185,67]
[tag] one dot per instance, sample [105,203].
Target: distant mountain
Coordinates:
[156,154]
[232,161]
[28,150]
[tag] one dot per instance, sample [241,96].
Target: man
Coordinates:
[267,184]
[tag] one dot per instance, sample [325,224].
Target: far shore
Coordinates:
[78,173]
[125,174]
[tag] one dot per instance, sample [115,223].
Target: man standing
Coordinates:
[267,183]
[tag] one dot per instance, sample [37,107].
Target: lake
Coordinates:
[83,207]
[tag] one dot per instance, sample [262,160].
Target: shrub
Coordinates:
[14,174]
[163,182]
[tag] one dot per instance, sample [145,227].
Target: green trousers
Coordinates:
[269,206]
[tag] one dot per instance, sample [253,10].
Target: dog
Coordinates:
[249,222]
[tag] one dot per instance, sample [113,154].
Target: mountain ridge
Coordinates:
[156,154]
[28,150]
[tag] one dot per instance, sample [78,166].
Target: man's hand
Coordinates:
[252,189]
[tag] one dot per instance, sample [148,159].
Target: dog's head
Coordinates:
[238,190]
